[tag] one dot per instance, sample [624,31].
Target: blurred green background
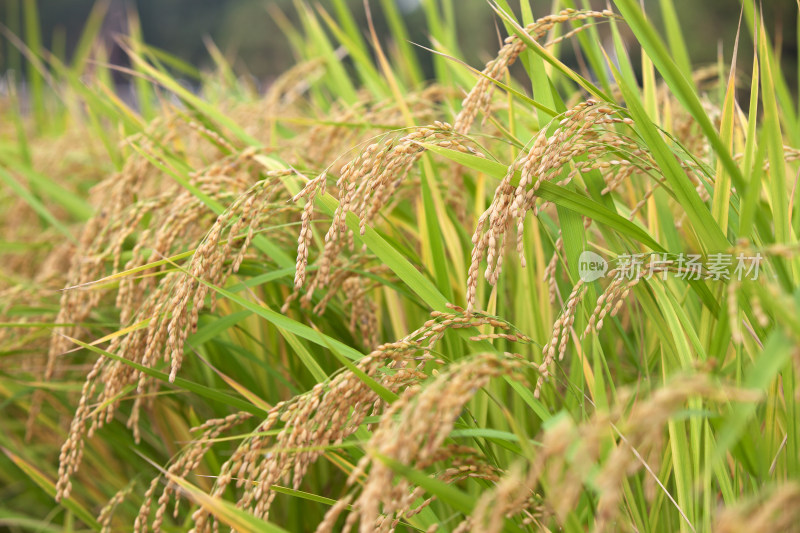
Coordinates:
[247,31]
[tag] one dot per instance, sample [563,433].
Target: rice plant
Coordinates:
[519,296]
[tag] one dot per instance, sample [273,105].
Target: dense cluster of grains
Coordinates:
[588,138]
[412,432]
[778,510]
[366,184]
[578,136]
[564,463]
[185,464]
[167,309]
[479,98]
[310,424]
[235,193]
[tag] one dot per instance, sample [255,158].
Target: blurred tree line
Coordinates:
[248,33]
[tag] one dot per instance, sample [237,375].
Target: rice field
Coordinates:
[518,296]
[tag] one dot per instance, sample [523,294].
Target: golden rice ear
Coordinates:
[413,432]
[560,336]
[581,132]
[331,412]
[187,463]
[173,301]
[568,450]
[367,184]
[776,510]
[479,98]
